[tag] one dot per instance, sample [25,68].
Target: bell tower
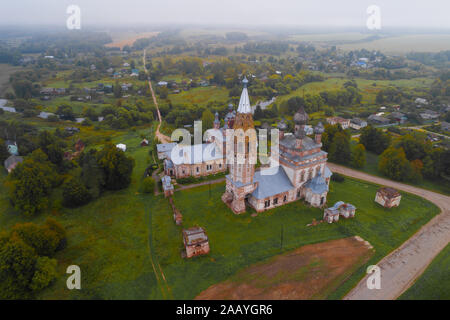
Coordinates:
[243,159]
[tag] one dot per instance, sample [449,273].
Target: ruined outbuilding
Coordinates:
[195,241]
[388,197]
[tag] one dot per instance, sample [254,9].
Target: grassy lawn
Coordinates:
[239,241]
[434,282]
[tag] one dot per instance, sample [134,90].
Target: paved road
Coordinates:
[404,265]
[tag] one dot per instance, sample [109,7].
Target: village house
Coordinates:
[429,114]
[12,148]
[345,123]
[376,119]
[11,162]
[340,208]
[357,123]
[398,117]
[195,241]
[388,197]
[167,186]
[445,126]
[302,173]
[420,102]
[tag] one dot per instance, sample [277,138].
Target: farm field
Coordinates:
[308,272]
[200,96]
[367,87]
[239,241]
[434,282]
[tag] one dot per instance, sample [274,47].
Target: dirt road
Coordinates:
[404,265]
[161,137]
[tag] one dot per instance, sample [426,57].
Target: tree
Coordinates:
[117,90]
[29,187]
[207,119]
[91,174]
[374,139]
[4,154]
[340,150]
[393,164]
[23,89]
[116,166]
[65,112]
[75,193]
[45,273]
[359,156]
[328,135]
[258,113]
[17,262]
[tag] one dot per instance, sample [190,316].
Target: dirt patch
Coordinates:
[128,40]
[309,272]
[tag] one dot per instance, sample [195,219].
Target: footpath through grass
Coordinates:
[434,283]
[239,241]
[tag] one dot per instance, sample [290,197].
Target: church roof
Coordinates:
[244,102]
[271,184]
[317,184]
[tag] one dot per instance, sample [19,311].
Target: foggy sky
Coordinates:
[324,13]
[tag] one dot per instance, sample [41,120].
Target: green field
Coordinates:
[433,284]
[239,241]
[200,96]
[368,90]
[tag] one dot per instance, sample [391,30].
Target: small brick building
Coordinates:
[388,197]
[340,208]
[195,241]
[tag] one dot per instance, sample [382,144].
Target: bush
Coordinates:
[75,193]
[148,185]
[337,177]
[45,273]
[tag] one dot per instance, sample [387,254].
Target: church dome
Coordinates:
[319,129]
[282,126]
[301,117]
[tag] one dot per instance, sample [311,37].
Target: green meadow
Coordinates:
[238,241]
